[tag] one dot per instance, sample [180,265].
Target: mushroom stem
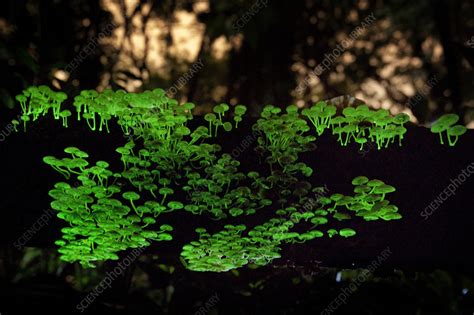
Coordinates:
[452,143]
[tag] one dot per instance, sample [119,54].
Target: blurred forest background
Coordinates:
[413,56]
[407,56]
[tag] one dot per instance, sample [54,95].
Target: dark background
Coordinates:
[149,44]
[139,45]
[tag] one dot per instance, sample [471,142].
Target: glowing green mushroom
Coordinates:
[439,128]
[443,123]
[383,190]
[332,232]
[175,205]
[375,183]
[25,118]
[346,232]
[448,119]
[360,180]
[239,111]
[131,196]
[319,220]
[64,115]
[392,216]
[401,118]
[148,221]
[165,237]
[456,132]
[165,191]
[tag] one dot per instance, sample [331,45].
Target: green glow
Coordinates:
[446,123]
[233,248]
[347,232]
[99,224]
[359,124]
[37,101]
[160,124]
[164,159]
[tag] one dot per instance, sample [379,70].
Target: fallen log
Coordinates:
[435,232]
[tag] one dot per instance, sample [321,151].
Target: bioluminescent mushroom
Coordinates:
[319,220]
[131,196]
[374,183]
[383,189]
[175,205]
[346,232]
[360,180]
[332,232]
[165,191]
[64,115]
[239,111]
[169,156]
[445,123]
[456,132]
[148,221]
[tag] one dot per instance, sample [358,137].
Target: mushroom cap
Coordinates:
[384,189]
[65,113]
[316,233]
[392,216]
[356,206]
[349,112]
[20,98]
[362,108]
[400,130]
[457,130]
[219,109]
[292,109]
[379,205]
[165,237]
[79,163]
[51,160]
[240,110]
[166,191]
[236,212]
[306,236]
[227,126]
[438,127]
[320,212]
[401,118]
[319,220]
[182,131]
[330,110]
[448,119]
[361,140]
[341,216]
[166,227]
[347,232]
[62,185]
[337,197]
[71,150]
[338,120]
[324,200]
[360,180]
[211,117]
[131,195]
[149,220]
[375,183]
[175,205]
[362,189]
[188,106]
